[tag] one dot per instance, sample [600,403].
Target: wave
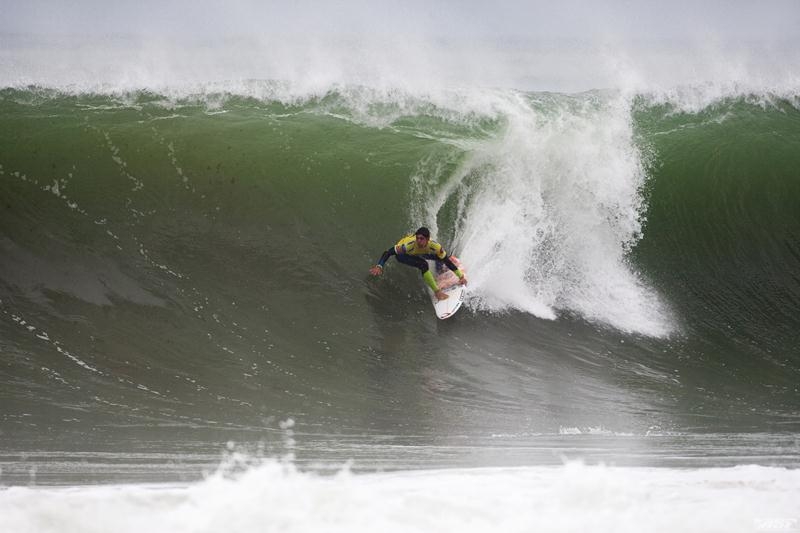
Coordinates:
[546,194]
[209,247]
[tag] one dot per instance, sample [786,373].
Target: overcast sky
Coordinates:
[564,45]
[765,20]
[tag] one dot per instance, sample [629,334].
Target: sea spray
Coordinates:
[547,208]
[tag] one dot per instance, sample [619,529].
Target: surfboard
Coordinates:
[447,308]
[448,282]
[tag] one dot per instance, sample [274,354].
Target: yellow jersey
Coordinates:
[408,245]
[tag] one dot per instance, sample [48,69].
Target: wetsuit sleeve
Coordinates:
[452,266]
[385,257]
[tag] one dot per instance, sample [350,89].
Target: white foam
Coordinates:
[548,209]
[276,497]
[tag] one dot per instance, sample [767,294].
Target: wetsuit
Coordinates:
[409,253]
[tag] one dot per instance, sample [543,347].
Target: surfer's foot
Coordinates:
[440,295]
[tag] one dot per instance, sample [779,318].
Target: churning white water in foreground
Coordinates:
[274,496]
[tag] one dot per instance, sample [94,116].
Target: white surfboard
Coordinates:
[448,282]
[448,307]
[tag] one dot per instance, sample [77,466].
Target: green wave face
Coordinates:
[201,261]
[722,234]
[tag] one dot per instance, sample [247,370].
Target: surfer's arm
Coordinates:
[385,257]
[452,266]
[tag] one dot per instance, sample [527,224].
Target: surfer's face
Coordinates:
[422,241]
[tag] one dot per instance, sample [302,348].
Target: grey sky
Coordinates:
[565,45]
[556,20]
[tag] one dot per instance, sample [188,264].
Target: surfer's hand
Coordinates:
[376,270]
[440,295]
[462,280]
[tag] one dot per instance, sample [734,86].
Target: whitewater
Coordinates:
[276,497]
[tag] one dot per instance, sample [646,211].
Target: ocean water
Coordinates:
[190,340]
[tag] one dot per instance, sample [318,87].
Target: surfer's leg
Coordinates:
[422,265]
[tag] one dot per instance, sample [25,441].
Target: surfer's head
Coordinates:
[422,235]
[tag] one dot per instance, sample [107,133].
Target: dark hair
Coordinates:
[425,232]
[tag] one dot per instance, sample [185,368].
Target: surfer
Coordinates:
[414,250]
